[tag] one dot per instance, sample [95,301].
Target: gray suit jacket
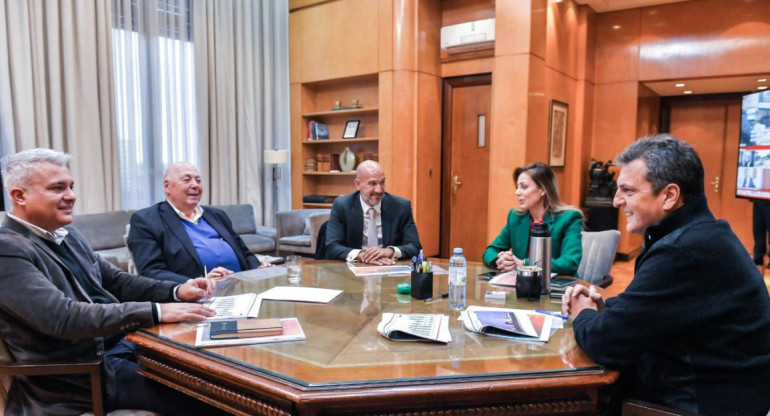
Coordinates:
[45,314]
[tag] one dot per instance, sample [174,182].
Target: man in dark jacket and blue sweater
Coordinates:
[692,330]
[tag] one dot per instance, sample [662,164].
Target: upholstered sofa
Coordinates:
[104,233]
[259,239]
[297,230]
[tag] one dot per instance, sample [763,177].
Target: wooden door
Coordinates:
[703,126]
[465,183]
[712,126]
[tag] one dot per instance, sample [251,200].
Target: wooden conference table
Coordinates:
[346,367]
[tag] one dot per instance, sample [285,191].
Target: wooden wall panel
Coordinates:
[562,33]
[614,128]
[508,137]
[335,40]
[460,11]
[563,88]
[704,38]
[427,198]
[429,37]
[295,146]
[617,46]
[385,31]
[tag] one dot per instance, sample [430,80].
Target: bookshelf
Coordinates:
[317,100]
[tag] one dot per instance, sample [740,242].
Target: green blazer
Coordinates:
[566,240]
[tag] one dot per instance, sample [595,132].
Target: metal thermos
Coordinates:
[540,253]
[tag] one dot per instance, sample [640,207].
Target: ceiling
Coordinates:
[601,6]
[743,83]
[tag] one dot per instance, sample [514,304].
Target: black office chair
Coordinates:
[320,246]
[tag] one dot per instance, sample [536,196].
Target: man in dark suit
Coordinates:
[370,225]
[178,239]
[60,301]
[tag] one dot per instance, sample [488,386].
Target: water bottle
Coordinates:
[457,273]
[540,253]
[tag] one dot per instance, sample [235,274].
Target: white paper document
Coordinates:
[415,327]
[234,307]
[300,294]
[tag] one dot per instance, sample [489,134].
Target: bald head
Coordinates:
[368,167]
[182,185]
[370,180]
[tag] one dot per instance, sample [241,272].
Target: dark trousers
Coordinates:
[141,393]
[760,227]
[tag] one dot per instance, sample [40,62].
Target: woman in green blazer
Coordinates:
[538,197]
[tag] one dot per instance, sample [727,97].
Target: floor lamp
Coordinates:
[275,157]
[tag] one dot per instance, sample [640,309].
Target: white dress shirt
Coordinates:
[378,219]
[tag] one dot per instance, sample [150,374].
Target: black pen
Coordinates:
[435,298]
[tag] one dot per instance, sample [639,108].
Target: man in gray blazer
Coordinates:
[60,301]
[370,225]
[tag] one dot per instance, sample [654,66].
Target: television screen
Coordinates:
[753,179]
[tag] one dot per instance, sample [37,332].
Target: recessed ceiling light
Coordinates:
[680,85]
[762,87]
[616,27]
[762,80]
[687,92]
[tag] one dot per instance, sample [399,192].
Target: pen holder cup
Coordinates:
[528,283]
[422,285]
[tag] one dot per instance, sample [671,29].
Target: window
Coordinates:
[155,103]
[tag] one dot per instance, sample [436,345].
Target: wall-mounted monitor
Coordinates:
[753,179]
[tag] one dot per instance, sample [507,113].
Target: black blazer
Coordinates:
[162,249]
[345,228]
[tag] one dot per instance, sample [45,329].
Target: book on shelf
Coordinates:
[514,324]
[245,328]
[317,131]
[318,199]
[291,331]
[415,327]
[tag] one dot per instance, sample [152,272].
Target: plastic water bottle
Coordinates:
[457,273]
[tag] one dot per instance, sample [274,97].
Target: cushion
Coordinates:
[306,231]
[102,231]
[295,240]
[258,243]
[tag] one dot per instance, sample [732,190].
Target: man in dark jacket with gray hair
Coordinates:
[692,330]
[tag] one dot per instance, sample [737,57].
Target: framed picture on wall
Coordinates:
[351,129]
[557,133]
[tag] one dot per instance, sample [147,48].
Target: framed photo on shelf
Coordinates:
[557,133]
[351,129]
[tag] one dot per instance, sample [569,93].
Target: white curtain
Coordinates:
[56,90]
[242,82]
[155,94]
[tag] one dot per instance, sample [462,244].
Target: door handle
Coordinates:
[715,182]
[455,184]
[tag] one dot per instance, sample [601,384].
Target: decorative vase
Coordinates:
[347,160]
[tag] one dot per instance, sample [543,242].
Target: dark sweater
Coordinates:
[692,330]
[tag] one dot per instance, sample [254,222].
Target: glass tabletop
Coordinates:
[344,347]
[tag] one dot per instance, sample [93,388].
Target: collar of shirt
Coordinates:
[197,213]
[365,207]
[57,236]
